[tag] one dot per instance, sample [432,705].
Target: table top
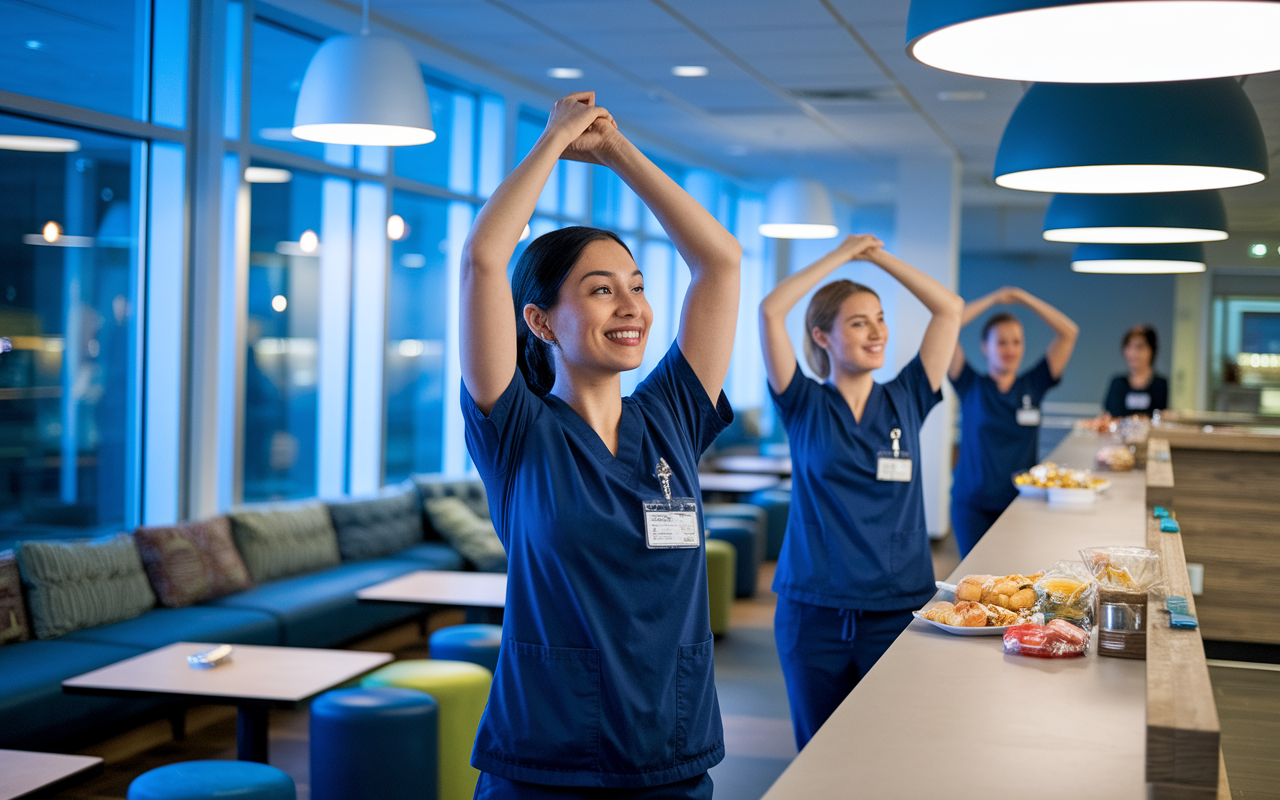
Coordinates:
[736,481]
[749,463]
[25,771]
[952,716]
[446,588]
[255,673]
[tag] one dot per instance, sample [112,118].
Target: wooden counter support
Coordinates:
[1159,473]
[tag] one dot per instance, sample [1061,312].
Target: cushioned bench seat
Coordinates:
[162,626]
[432,555]
[33,707]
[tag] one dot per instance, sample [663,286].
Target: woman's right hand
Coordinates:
[856,246]
[581,125]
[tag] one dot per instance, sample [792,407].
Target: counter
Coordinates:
[944,716]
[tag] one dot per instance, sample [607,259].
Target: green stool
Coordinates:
[721,565]
[461,689]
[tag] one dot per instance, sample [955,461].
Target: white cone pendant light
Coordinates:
[363,90]
[797,208]
[1160,218]
[1096,41]
[1130,138]
[1138,259]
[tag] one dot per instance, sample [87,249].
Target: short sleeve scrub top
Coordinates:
[997,438]
[1124,399]
[604,678]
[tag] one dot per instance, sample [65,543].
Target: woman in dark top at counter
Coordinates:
[1142,390]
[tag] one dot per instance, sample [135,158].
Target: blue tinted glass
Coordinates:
[86,54]
[280,59]
[429,162]
[171,29]
[414,367]
[68,307]
[528,128]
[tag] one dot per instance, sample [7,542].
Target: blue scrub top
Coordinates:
[605,677]
[993,445]
[853,541]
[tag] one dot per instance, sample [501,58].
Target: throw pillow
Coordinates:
[373,527]
[473,537]
[73,585]
[14,625]
[284,539]
[192,562]
[470,491]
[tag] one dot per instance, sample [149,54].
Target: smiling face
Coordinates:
[1004,348]
[601,319]
[858,336]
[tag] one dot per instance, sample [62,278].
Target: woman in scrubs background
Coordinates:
[604,683]
[1000,411]
[855,561]
[1142,390]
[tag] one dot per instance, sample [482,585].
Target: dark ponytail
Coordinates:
[539,273]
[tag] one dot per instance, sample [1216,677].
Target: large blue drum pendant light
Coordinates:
[1138,259]
[1162,217]
[1129,138]
[1103,41]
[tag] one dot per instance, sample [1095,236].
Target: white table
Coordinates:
[441,587]
[256,679]
[777,465]
[23,773]
[736,482]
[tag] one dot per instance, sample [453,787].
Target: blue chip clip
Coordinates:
[1168,525]
[1160,511]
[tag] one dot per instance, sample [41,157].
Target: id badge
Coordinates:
[1028,415]
[1137,401]
[671,523]
[893,467]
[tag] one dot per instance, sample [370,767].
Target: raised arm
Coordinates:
[972,311]
[939,344]
[1058,353]
[779,355]
[487,315]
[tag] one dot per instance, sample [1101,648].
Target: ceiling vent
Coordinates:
[877,94]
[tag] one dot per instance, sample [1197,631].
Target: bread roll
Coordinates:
[971,588]
[968,615]
[940,612]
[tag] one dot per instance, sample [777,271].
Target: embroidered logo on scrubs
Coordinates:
[894,466]
[1028,415]
[671,522]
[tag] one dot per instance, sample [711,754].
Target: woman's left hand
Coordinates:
[595,142]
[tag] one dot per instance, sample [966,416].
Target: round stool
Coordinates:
[213,780]
[374,744]
[461,689]
[721,564]
[777,505]
[475,643]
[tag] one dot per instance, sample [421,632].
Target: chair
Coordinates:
[720,568]
[213,780]
[476,643]
[374,744]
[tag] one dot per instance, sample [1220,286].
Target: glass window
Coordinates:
[68,304]
[452,116]
[280,59]
[416,319]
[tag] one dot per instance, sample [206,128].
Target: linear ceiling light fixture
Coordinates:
[1160,218]
[365,90]
[1128,138]
[690,72]
[39,144]
[1138,259]
[267,175]
[1105,41]
[798,208]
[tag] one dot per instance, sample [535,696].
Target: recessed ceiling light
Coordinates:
[689,72]
[39,144]
[34,44]
[565,73]
[962,97]
[267,175]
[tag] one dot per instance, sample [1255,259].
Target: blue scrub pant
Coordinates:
[825,652]
[969,524]
[491,787]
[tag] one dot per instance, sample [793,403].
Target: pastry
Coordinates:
[960,615]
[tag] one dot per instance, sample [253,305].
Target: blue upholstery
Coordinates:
[470,492]
[33,707]
[432,555]
[374,744]
[321,609]
[213,780]
[776,504]
[162,626]
[477,643]
[376,527]
[742,535]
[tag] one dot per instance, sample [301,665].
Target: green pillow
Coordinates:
[473,537]
[284,539]
[73,585]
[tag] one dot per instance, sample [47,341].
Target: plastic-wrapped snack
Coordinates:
[1058,639]
[1067,591]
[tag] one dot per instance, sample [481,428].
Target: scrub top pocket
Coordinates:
[698,727]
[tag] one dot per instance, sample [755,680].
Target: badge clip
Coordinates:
[672,522]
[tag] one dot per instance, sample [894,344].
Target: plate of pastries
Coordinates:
[985,605]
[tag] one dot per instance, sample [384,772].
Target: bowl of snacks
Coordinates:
[1027,486]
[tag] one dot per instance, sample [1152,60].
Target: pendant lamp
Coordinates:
[1096,41]
[1129,138]
[1138,259]
[365,90]
[798,208]
[1162,217]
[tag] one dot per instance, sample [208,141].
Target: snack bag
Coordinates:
[1058,639]
[1067,591]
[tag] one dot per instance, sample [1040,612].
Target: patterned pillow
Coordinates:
[473,537]
[73,585]
[192,562]
[14,625]
[373,527]
[284,539]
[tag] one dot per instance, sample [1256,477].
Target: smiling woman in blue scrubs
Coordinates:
[1000,411]
[855,561]
[604,684]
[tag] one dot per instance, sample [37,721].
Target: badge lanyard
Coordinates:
[1028,415]
[671,522]
[896,465]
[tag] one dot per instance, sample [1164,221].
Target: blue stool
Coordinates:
[374,744]
[477,644]
[213,780]
[776,504]
[742,535]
